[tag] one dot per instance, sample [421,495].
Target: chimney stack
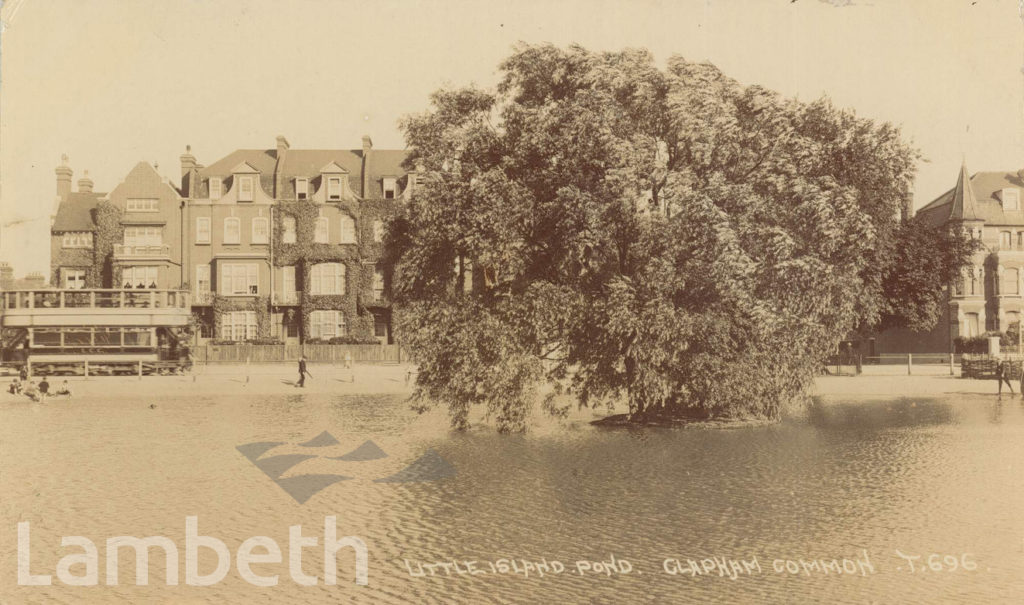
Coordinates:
[64,174]
[188,161]
[282,152]
[367,146]
[85,183]
[907,207]
[188,166]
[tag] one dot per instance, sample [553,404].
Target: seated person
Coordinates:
[15,387]
[152,285]
[31,391]
[63,389]
[127,285]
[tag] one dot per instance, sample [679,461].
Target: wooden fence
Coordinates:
[210,353]
[984,366]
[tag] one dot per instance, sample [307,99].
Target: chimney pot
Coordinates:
[367,143]
[85,183]
[282,143]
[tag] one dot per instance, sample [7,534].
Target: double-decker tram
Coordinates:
[96,332]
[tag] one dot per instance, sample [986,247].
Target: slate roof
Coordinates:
[976,198]
[263,160]
[75,212]
[309,163]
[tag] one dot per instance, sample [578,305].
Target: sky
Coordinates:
[114,82]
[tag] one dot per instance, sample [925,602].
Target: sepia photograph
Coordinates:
[511,301]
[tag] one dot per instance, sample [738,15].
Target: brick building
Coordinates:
[989,296]
[275,244]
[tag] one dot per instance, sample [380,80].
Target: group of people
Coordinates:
[140,286]
[21,385]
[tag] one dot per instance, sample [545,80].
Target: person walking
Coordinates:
[1003,373]
[302,372]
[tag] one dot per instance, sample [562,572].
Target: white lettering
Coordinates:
[193,541]
[25,577]
[246,558]
[295,543]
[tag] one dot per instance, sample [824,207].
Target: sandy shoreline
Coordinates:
[240,379]
[904,386]
[235,379]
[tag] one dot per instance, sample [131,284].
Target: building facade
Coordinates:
[275,245]
[988,297]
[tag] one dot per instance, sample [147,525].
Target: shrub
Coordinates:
[343,340]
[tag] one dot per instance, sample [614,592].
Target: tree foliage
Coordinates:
[615,231]
[925,260]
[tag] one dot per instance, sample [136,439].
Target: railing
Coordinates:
[93,299]
[284,353]
[150,250]
[204,297]
[891,363]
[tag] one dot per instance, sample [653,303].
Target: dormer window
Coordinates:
[334,188]
[301,188]
[215,188]
[1011,199]
[390,187]
[245,188]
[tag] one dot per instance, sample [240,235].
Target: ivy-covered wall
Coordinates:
[62,259]
[357,258]
[109,231]
[259,304]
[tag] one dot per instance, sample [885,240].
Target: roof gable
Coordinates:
[333,168]
[244,168]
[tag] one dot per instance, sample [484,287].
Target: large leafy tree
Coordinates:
[925,259]
[601,228]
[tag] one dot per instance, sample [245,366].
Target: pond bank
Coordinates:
[902,386]
[622,420]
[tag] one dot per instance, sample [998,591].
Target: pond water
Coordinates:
[853,486]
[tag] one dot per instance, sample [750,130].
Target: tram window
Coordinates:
[77,338]
[45,338]
[108,337]
[136,338]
